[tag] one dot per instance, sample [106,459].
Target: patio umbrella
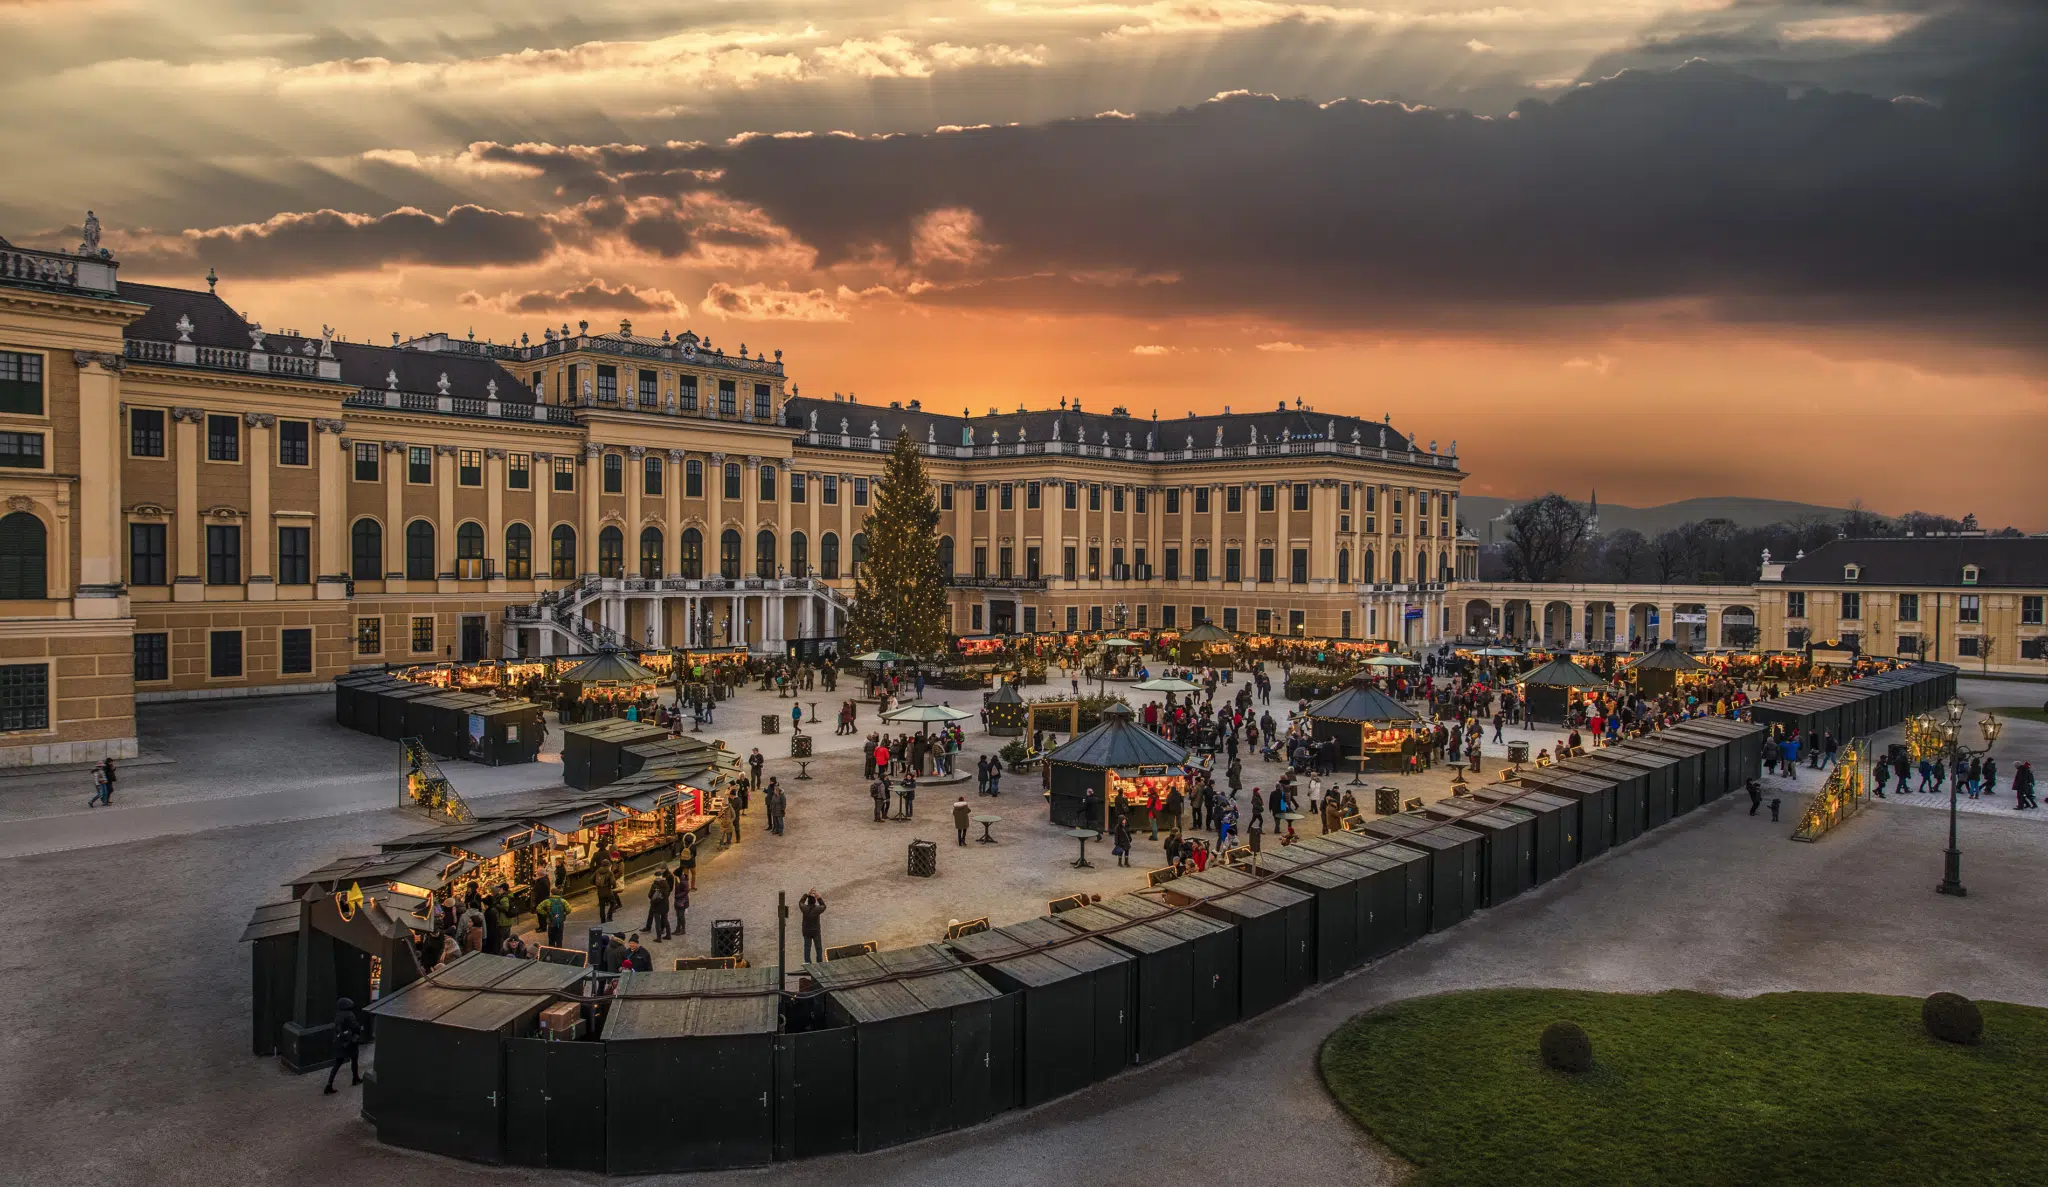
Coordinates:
[1392,661]
[1497,652]
[924,713]
[1167,684]
[1121,643]
[879,657]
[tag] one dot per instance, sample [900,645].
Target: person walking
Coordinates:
[686,863]
[754,765]
[811,906]
[1926,774]
[606,883]
[1990,774]
[348,1044]
[102,791]
[658,892]
[554,910]
[995,776]
[2023,787]
[960,818]
[1122,847]
[1756,795]
[906,795]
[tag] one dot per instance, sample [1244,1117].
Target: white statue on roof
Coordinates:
[1354,434]
[1219,436]
[1105,436]
[1330,431]
[1383,436]
[441,384]
[326,341]
[391,379]
[1191,443]
[1127,440]
[184,328]
[491,390]
[874,429]
[814,420]
[842,426]
[91,244]
[967,435]
[1148,440]
[1286,434]
[931,434]
[995,437]
[1056,423]
[1255,434]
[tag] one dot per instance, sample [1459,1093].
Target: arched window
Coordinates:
[946,556]
[24,567]
[693,554]
[729,555]
[611,553]
[799,555]
[366,550]
[764,554]
[1394,567]
[650,553]
[469,551]
[1365,569]
[518,552]
[562,553]
[1343,566]
[860,551]
[828,556]
[419,551]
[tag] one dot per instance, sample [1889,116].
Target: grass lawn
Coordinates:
[1806,1088]
[2024,712]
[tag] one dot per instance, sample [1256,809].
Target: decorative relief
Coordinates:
[394,447]
[260,420]
[494,453]
[444,451]
[24,503]
[188,415]
[329,425]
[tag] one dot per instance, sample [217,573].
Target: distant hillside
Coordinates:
[1614,517]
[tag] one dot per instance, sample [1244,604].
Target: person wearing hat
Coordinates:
[639,959]
[348,1039]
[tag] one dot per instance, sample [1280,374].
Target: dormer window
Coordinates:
[1851,572]
[1969,574]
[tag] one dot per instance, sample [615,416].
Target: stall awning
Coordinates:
[588,814]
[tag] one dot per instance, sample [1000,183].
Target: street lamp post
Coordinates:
[1949,728]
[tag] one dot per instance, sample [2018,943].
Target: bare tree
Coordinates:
[1669,554]
[1623,552]
[1545,538]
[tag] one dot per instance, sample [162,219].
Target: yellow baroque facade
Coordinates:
[198,506]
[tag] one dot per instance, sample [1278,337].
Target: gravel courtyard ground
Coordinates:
[124,1025]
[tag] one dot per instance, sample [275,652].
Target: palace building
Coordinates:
[198,506]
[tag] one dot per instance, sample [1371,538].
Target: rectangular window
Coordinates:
[1117,572]
[607,384]
[1421,504]
[981,496]
[1073,618]
[1171,565]
[1197,615]
[1201,500]
[540,379]
[223,554]
[2030,610]
[860,492]
[147,562]
[980,561]
[828,489]
[1141,615]
[1852,605]
[1230,618]
[1116,499]
[1030,620]
[1909,644]
[732,481]
[223,438]
[145,432]
[613,467]
[224,654]
[21,384]
[1909,607]
[693,479]
[974,617]
[1265,565]
[1795,605]
[469,467]
[419,465]
[1344,524]
[295,556]
[1371,503]
[1795,638]
[295,651]
[1233,564]
[1167,618]
[1094,618]
[1345,618]
[686,390]
[1094,562]
[651,476]
[1094,496]
[1344,496]
[650,389]
[24,697]
[1069,497]
[565,474]
[518,475]
[1967,645]
[1233,499]
[945,496]
[294,443]
[1172,505]
[1007,501]
[21,451]
[728,398]
[422,632]
[1298,570]
[1003,568]
[1067,562]
[761,401]
[1201,564]
[798,487]
[1139,505]
[369,636]
[152,656]
[1301,496]
[1031,563]
[1266,497]
[366,461]
[766,482]
[1297,622]
[1032,496]
[1264,619]
[1967,608]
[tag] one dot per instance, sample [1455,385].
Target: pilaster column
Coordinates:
[845,526]
[1216,539]
[262,532]
[1017,501]
[331,459]
[1581,625]
[542,471]
[750,514]
[494,517]
[714,528]
[190,583]
[783,526]
[812,493]
[963,527]
[672,526]
[395,459]
[444,511]
[1283,559]
[1054,502]
[588,483]
[1187,533]
[99,497]
[635,479]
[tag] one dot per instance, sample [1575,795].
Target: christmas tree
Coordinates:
[899,594]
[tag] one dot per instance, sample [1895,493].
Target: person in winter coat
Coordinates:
[2023,787]
[348,1042]
[960,811]
[1122,847]
[554,913]
[811,906]
[658,892]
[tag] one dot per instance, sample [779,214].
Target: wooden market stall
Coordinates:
[1362,720]
[1555,689]
[1123,764]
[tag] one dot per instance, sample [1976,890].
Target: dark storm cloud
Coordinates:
[321,241]
[1691,183]
[591,296]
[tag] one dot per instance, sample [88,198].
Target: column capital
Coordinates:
[188,415]
[259,420]
[394,447]
[675,457]
[494,453]
[326,424]
[444,451]
[636,452]
[107,360]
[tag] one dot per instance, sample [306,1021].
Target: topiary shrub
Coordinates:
[1566,1048]
[1952,1018]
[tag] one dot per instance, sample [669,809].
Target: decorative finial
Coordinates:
[441,384]
[625,327]
[491,390]
[391,379]
[184,328]
[582,328]
[211,280]
[256,335]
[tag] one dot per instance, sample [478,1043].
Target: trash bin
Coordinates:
[771,723]
[1386,800]
[800,746]
[1518,752]
[924,859]
[728,937]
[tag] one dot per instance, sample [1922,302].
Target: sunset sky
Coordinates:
[1667,248]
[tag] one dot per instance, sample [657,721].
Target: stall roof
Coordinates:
[1006,695]
[274,919]
[1119,742]
[1668,658]
[1238,893]
[478,992]
[1207,633]
[1138,937]
[643,1009]
[1361,702]
[1188,925]
[569,817]
[934,977]
[1312,868]
[375,869]
[1083,955]
[1562,672]
[1013,955]
[865,1003]
[608,667]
